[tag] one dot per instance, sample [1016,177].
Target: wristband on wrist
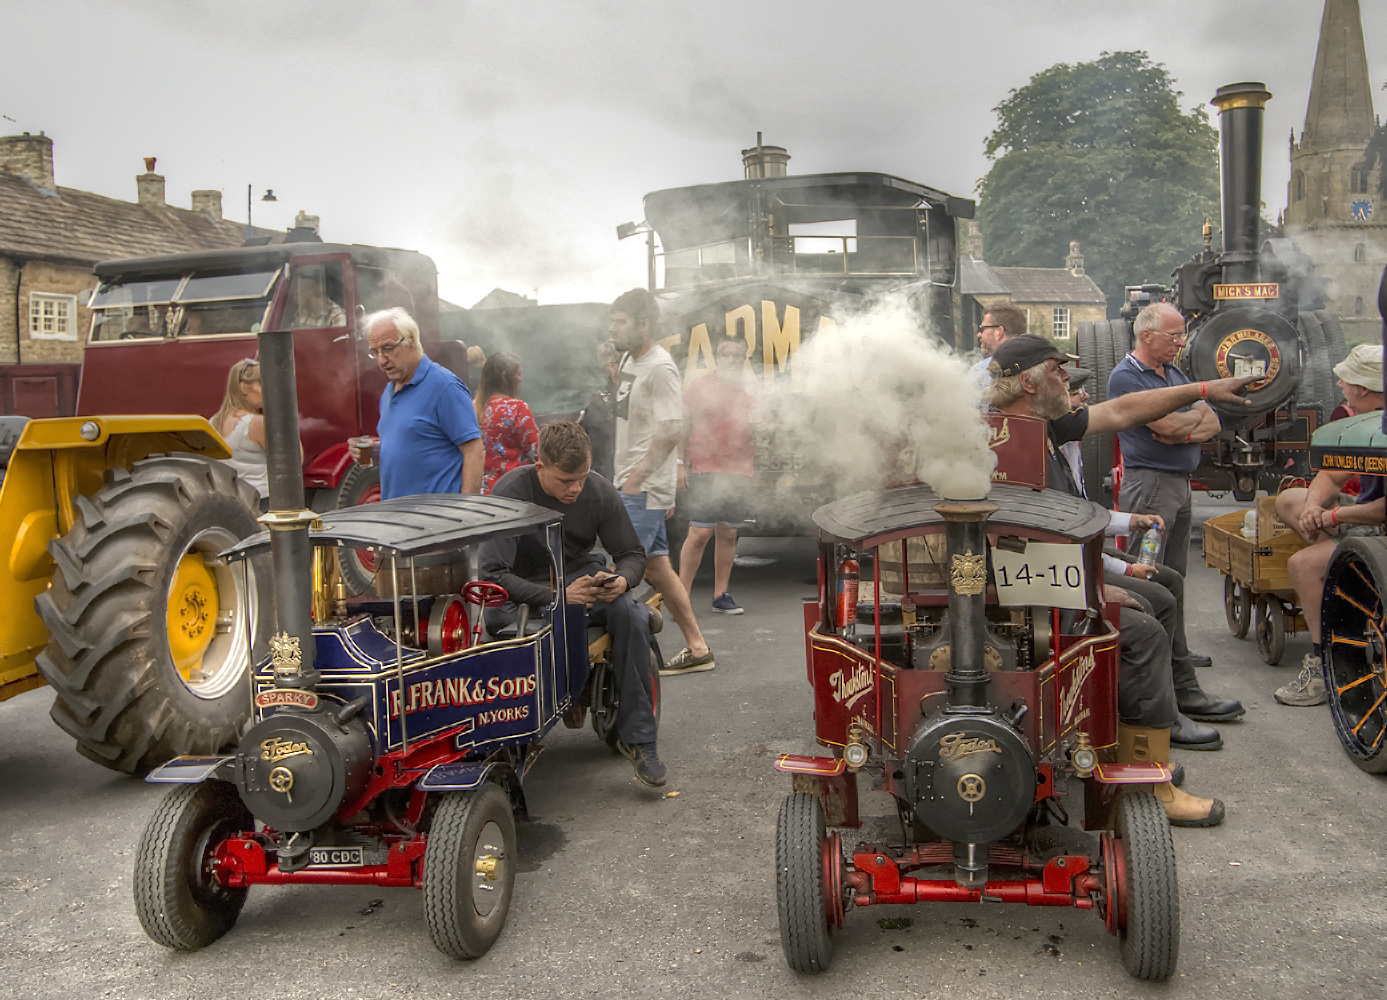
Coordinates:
[1203,390]
[1334,516]
[1187,438]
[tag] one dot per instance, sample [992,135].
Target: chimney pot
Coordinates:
[1075,261]
[30,157]
[765,161]
[149,186]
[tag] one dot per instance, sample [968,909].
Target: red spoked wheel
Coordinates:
[366,557]
[448,629]
[484,594]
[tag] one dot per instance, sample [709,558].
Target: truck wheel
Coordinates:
[361,484]
[469,870]
[1355,654]
[178,899]
[1151,936]
[805,934]
[147,651]
[606,696]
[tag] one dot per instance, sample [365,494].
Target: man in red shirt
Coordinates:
[716,467]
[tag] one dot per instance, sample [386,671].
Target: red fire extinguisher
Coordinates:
[848,571]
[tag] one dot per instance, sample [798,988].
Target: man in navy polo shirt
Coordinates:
[1158,457]
[429,438]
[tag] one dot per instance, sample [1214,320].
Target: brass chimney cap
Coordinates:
[1241,95]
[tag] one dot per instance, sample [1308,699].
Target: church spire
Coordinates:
[1340,112]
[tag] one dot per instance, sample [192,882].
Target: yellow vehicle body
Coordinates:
[54,463]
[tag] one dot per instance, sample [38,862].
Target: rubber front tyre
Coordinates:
[1151,937]
[1355,653]
[178,899]
[1237,606]
[805,933]
[1271,629]
[469,871]
[147,650]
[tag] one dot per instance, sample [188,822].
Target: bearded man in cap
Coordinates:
[1323,518]
[1029,378]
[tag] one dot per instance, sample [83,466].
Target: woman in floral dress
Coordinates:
[509,435]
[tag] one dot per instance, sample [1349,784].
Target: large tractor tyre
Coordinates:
[1101,346]
[1319,378]
[801,895]
[1151,938]
[178,899]
[1354,617]
[360,484]
[469,870]
[606,695]
[1333,337]
[147,652]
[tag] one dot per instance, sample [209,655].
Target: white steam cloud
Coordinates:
[878,401]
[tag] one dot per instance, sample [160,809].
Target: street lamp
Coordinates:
[269,195]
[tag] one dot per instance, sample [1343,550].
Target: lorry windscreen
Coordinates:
[195,305]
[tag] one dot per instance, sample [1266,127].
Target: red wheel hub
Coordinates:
[454,627]
[831,848]
[366,557]
[1114,885]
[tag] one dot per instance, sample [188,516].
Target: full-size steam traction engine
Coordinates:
[390,736]
[977,696]
[1251,309]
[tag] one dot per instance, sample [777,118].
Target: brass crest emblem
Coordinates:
[285,654]
[968,574]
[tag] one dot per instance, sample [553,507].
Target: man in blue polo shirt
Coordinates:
[429,438]
[1158,457]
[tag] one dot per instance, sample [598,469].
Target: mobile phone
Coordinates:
[606,579]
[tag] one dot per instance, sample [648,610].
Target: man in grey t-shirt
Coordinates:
[592,512]
[649,426]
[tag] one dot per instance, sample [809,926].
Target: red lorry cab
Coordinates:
[166,331]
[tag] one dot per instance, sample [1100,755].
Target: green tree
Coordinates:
[1100,152]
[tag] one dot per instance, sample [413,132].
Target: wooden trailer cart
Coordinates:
[1256,583]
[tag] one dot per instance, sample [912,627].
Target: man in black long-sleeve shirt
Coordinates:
[592,510]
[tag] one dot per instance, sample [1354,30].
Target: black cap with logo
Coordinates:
[1015,354]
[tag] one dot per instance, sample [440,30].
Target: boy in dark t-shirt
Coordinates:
[592,511]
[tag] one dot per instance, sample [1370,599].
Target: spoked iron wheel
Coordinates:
[1271,629]
[1355,650]
[808,884]
[606,695]
[1237,606]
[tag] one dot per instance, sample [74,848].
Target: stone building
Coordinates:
[50,237]
[1054,299]
[1331,205]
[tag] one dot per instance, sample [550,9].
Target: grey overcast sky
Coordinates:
[507,140]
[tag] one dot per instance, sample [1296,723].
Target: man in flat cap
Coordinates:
[1322,517]
[1029,378]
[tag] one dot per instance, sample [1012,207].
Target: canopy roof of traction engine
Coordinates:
[866,520]
[416,526]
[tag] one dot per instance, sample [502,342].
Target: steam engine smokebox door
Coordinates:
[1248,340]
[971,780]
[297,768]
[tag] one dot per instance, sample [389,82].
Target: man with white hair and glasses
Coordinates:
[429,438]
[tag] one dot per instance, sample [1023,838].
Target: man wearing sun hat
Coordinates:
[1320,516]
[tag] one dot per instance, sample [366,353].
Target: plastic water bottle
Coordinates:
[1150,547]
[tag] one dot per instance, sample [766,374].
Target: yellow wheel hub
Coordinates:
[192,614]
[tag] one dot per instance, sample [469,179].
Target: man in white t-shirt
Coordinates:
[649,425]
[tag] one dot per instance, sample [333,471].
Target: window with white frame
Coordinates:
[1060,321]
[52,317]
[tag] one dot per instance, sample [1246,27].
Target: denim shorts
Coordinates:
[649,524]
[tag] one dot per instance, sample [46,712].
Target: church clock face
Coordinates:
[1361,209]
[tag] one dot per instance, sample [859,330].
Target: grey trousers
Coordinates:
[1145,694]
[1163,597]
[1148,491]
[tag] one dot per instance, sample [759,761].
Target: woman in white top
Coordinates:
[239,422]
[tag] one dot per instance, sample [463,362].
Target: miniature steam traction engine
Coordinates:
[390,737]
[972,697]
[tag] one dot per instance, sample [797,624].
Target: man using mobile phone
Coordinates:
[592,511]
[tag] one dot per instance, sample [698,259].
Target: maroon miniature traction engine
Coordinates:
[976,696]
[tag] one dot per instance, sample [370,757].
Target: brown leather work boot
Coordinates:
[1139,745]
